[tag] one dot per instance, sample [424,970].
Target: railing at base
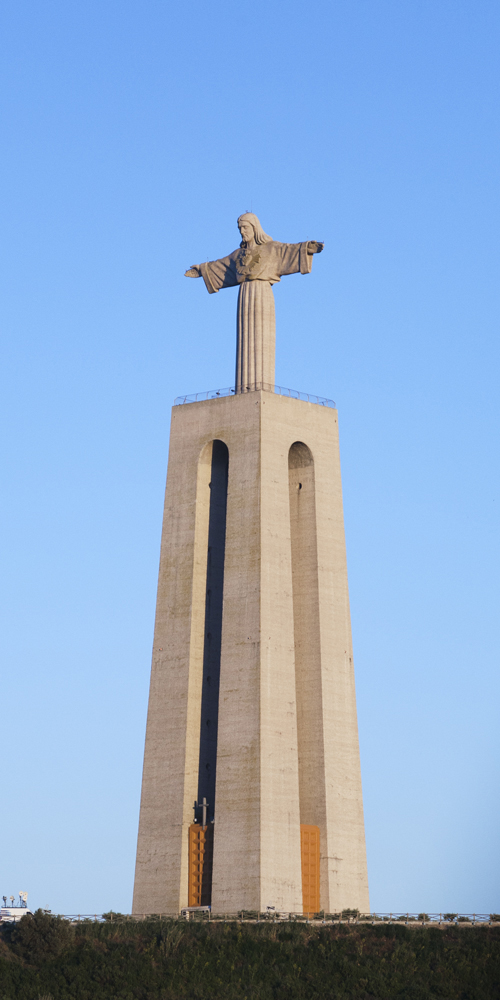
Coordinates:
[278,390]
[421,919]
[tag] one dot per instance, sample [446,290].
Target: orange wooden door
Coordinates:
[309,852]
[201,851]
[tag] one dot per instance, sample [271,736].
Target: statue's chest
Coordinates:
[248,262]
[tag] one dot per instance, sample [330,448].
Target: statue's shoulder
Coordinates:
[277,245]
[271,246]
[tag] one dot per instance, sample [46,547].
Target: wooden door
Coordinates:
[309,851]
[201,851]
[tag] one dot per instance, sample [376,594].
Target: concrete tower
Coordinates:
[252,711]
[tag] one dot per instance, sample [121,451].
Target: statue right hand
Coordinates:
[194,272]
[314,247]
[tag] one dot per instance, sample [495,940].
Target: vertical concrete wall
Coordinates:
[257,827]
[260,753]
[170,775]
[332,751]
[237,853]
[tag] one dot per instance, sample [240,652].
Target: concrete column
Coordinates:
[271,773]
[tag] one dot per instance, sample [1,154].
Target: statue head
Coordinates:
[249,219]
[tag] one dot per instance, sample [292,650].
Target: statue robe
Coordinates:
[255,269]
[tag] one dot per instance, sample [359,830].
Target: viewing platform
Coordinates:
[278,390]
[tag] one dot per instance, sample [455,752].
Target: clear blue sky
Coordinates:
[133,135]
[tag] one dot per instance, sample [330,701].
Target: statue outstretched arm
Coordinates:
[297,256]
[216,273]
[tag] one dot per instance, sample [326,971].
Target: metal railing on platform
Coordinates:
[430,918]
[346,917]
[278,390]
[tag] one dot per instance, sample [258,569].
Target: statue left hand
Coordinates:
[314,247]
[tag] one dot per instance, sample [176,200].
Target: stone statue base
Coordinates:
[252,706]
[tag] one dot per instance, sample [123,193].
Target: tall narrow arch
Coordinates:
[306,627]
[214,593]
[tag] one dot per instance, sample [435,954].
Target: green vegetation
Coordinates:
[45,958]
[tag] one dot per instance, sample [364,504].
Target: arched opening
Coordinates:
[307,663]
[213,627]
[201,832]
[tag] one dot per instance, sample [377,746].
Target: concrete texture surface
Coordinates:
[287,743]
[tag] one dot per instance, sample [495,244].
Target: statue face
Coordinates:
[246,230]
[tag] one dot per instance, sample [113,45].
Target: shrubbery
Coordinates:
[45,957]
[39,938]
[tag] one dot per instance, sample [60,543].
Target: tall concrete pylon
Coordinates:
[252,702]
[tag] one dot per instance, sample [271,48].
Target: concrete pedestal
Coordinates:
[286,733]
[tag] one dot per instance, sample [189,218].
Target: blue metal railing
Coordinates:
[278,390]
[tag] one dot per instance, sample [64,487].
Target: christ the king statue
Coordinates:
[255,266]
